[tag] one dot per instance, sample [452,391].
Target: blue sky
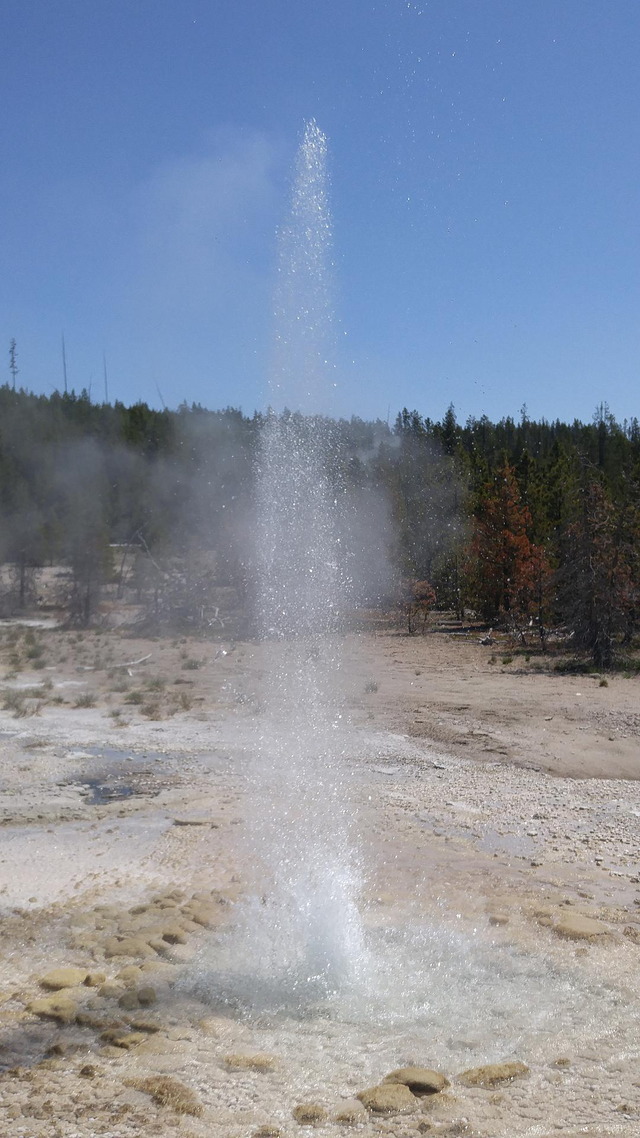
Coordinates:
[485,187]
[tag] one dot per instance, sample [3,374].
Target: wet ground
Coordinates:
[475,877]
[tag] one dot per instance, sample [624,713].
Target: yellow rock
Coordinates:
[573,926]
[309,1114]
[419,1080]
[389,1098]
[60,1008]
[493,1073]
[350,1114]
[248,1061]
[63,978]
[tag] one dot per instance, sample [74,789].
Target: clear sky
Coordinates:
[485,164]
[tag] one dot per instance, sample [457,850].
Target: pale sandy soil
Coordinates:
[490,804]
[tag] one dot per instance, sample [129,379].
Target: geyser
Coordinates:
[304,933]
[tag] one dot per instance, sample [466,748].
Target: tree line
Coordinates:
[531,525]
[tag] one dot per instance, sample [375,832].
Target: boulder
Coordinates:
[492,1073]
[419,1080]
[389,1098]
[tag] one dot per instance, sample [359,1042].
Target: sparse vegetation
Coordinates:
[87,699]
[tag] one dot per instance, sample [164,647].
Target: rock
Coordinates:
[110,991]
[60,1008]
[94,979]
[267,1131]
[88,1071]
[119,1037]
[351,1113]
[149,1026]
[166,1091]
[146,996]
[247,1061]
[174,934]
[97,1023]
[492,1073]
[201,912]
[130,975]
[498,919]
[310,1114]
[128,946]
[62,1049]
[389,1098]
[632,932]
[159,1045]
[419,1080]
[573,926]
[129,1000]
[160,947]
[63,978]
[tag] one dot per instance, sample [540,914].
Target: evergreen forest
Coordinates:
[531,526]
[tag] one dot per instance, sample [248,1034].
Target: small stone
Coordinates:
[63,978]
[389,1098]
[492,1073]
[498,919]
[632,932]
[562,1062]
[419,1080]
[60,1008]
[88,1071]
[309,1114]
[267,1132]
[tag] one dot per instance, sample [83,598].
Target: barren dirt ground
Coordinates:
[498,814]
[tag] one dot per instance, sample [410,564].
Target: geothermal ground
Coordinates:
[498,817]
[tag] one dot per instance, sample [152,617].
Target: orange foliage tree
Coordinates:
[508,575]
